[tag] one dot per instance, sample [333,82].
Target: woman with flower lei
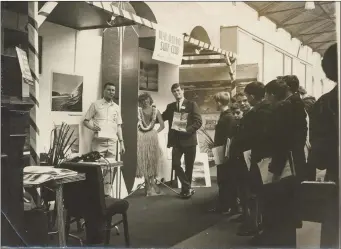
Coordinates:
[148,148]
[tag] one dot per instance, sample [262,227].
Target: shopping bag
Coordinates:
[315,198]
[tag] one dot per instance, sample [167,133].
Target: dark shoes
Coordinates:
[187,194]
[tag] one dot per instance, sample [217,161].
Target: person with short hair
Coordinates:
[298,123]
[148,147]
[308,100]
[183,140]
[225,172]
[287,133]
[105,114]
[236,111]
[324,139]
[242,101]
[254,138]
[292,81]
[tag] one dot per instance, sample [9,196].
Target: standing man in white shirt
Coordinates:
[104,119]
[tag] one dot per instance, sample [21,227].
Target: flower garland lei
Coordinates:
[142,123]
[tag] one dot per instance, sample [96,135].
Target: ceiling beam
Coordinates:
[318,42]
[290,17]
[267,7]
[284,10]
[321,45]
[303,22]
[326,13]
[322,25]
[314,37]
[319,33]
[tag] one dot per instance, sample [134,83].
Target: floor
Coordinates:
[163,222]
[222,235]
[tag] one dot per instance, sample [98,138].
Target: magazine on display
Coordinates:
[39,174]
[179,121]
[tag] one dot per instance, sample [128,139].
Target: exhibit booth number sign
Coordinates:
[168,47]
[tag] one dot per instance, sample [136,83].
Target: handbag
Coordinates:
[315,199]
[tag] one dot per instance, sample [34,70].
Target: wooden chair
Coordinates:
[86,199]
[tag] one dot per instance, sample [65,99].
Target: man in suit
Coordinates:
[183,140]
[253,136]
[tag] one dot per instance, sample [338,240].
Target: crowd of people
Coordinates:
[278,136]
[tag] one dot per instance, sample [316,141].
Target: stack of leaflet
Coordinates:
[35,175]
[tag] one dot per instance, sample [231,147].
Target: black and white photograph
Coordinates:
[67,93]
[195,124]
[149,76]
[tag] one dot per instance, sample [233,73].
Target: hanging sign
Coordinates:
[169,47]
[25,68]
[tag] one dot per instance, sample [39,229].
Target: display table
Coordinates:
[58,186]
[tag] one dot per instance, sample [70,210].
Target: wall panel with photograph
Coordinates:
[67,92]
[149,76]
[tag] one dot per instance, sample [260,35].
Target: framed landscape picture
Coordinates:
[67,93]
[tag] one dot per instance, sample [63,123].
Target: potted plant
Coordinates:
[60,145]
[207,144]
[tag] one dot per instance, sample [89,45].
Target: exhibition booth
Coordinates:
[69,50]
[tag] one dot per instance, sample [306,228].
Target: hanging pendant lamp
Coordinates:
[309,5]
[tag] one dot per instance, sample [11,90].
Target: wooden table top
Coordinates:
[67,179]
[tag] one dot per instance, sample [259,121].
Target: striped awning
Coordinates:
[230,57]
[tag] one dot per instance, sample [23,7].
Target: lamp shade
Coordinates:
[309,5]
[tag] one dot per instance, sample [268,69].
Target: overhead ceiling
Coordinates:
[315,28]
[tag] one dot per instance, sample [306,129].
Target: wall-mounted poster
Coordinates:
[202,93]
[201,84]
[75,129]
[149,76]
[67,93]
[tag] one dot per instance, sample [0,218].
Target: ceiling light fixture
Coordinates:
[309,5]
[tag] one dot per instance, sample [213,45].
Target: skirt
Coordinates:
[148,154]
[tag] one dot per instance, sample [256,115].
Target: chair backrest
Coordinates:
[83,198]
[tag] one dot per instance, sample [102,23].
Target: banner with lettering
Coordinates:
[169,47]
[24,66]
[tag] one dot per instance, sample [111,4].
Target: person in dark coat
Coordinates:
[183,141]
[308,100]
[252,136]
[239,109]
[298,125]
[225,172]
[324,140]
[280,196]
